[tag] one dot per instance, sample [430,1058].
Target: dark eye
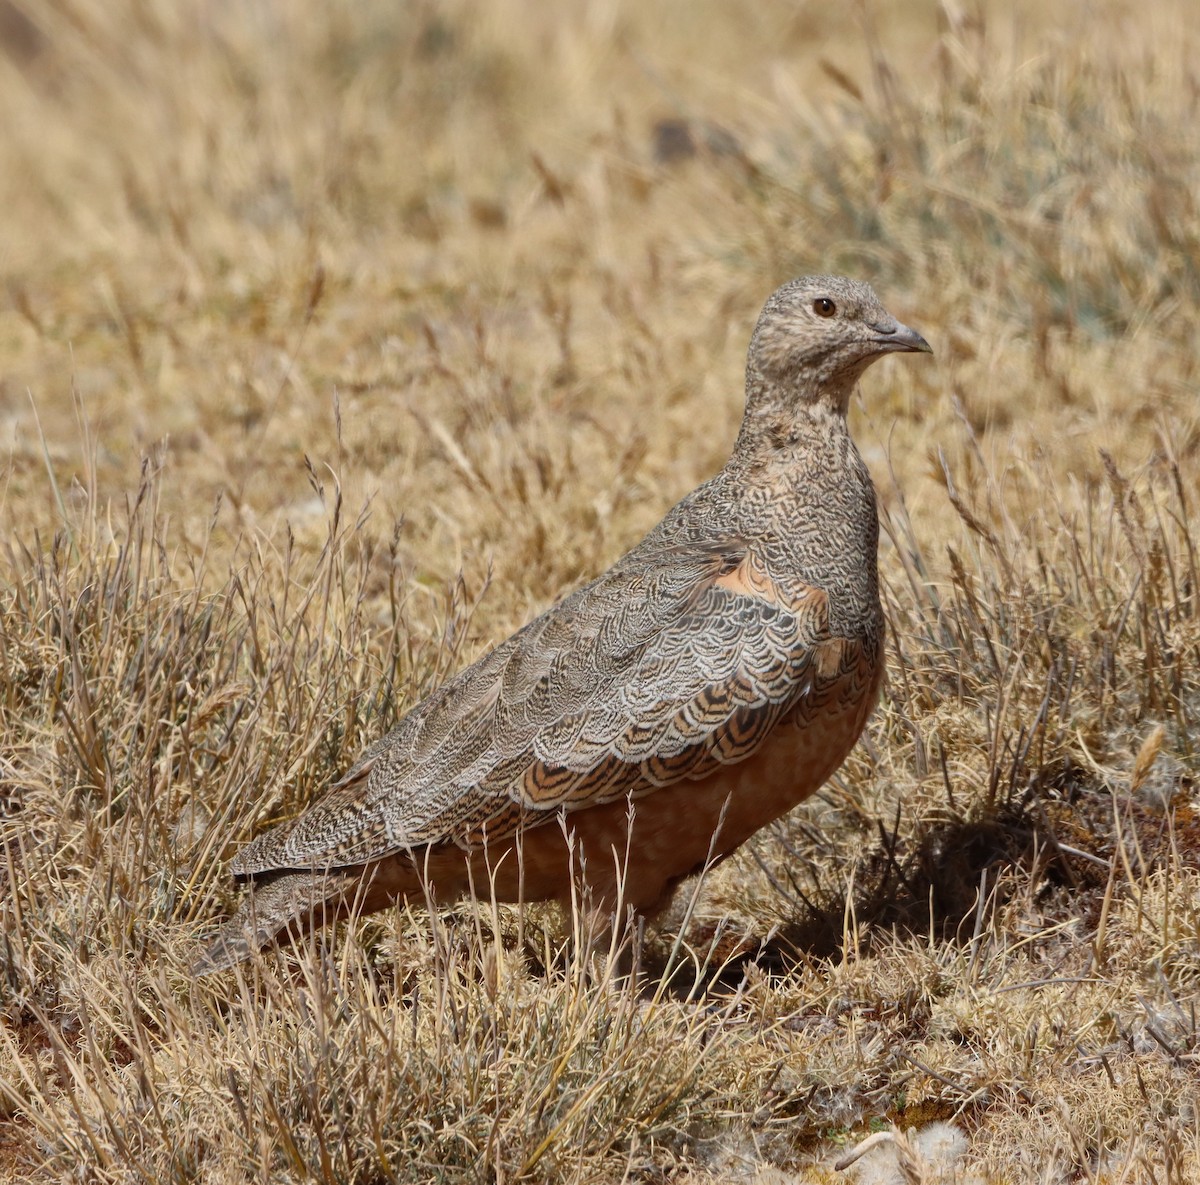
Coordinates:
[824,307]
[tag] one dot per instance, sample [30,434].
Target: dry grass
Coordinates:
[339,338]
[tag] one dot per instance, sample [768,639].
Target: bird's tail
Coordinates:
[269,907]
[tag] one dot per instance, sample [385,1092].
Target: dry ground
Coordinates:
[337,339]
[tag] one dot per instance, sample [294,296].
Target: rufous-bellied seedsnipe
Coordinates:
[715,676]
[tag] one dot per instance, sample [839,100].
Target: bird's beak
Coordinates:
[897,338]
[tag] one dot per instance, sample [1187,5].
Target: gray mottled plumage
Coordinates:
[712,678]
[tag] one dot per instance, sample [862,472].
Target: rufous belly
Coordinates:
[635,852]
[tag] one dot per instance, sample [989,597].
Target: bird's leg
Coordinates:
[606,929]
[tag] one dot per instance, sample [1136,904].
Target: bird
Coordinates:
[647,724]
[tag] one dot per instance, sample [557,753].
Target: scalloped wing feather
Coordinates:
[636,681]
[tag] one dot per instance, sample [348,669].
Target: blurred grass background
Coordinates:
[336,340]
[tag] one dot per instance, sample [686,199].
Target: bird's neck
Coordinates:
[808,490]
[782,417]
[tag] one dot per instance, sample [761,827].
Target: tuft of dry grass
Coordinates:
[337,340]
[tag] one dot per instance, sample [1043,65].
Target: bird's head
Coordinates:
[815,337]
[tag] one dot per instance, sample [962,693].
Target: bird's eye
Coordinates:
[824,307]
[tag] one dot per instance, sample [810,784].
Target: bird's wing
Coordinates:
[654,672]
